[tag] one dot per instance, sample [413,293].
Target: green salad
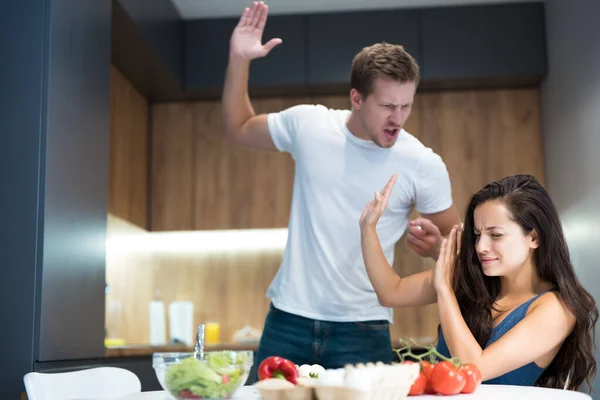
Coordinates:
[215,378]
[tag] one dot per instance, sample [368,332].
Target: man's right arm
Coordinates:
[239,122]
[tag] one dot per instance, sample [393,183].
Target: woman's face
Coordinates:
[500,243]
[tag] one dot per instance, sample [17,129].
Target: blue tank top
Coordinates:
[526,375]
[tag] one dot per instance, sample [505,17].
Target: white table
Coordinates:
[245,393]
[488,392]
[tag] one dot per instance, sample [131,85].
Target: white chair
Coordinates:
[101,383]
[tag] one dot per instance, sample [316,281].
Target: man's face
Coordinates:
[383,113]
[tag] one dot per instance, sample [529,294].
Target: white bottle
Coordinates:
[181,322]
[158,332]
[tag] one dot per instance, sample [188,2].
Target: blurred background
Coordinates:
[128,219]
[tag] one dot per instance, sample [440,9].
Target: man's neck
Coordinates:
[355,127]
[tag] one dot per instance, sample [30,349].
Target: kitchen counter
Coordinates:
[148,350]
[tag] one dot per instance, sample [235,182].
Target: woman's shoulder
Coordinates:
[551,302]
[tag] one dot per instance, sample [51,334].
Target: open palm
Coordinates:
[449,252]
[246,40]
[374,209]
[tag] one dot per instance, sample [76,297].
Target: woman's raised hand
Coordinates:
[375,207]
[444,267]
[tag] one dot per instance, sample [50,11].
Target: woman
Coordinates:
[507,294]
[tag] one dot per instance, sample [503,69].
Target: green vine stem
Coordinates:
[406,351]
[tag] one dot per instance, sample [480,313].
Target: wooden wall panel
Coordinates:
[482,135]
[237,188]
[128,183]
[172,167]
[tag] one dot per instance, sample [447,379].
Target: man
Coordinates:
[323,307]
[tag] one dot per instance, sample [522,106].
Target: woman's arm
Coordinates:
[543,330]
[392,291]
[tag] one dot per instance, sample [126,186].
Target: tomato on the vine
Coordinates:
[418,386]
[449,376]
[427,368]
[472,377]
[446,379]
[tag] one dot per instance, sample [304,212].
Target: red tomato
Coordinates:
[472,376]
[418,386]
[446,379]
[427,369]
[187,394]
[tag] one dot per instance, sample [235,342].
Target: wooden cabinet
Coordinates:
[128,175]
[172,167]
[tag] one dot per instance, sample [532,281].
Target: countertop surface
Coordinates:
[147,350]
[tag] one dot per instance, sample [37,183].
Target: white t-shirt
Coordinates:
[322,275]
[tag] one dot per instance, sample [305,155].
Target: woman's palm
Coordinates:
[375,208]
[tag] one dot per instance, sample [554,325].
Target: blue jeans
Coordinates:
[330,344]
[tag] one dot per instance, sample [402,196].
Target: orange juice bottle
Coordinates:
[212,333]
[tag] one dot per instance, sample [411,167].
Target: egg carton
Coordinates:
[295,393]
[353,382]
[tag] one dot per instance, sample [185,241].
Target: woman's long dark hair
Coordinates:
[532,209]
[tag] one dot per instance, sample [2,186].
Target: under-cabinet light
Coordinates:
[193,242]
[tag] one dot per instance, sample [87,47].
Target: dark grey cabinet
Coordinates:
[483,42]
[206,49]
[286,64]
[334,40]
[207,53]
[55,80]
[159,22]
[456,47]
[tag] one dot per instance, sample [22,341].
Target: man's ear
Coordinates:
[355,99]
[534,242]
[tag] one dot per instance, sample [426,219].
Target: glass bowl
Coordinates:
[219,376]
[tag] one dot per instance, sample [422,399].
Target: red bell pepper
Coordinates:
[278,367]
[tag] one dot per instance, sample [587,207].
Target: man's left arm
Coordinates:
[444,220]
[424,234]
[433,201]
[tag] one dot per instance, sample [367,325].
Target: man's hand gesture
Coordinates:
[246,39]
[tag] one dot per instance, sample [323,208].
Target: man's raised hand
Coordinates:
[246,39]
